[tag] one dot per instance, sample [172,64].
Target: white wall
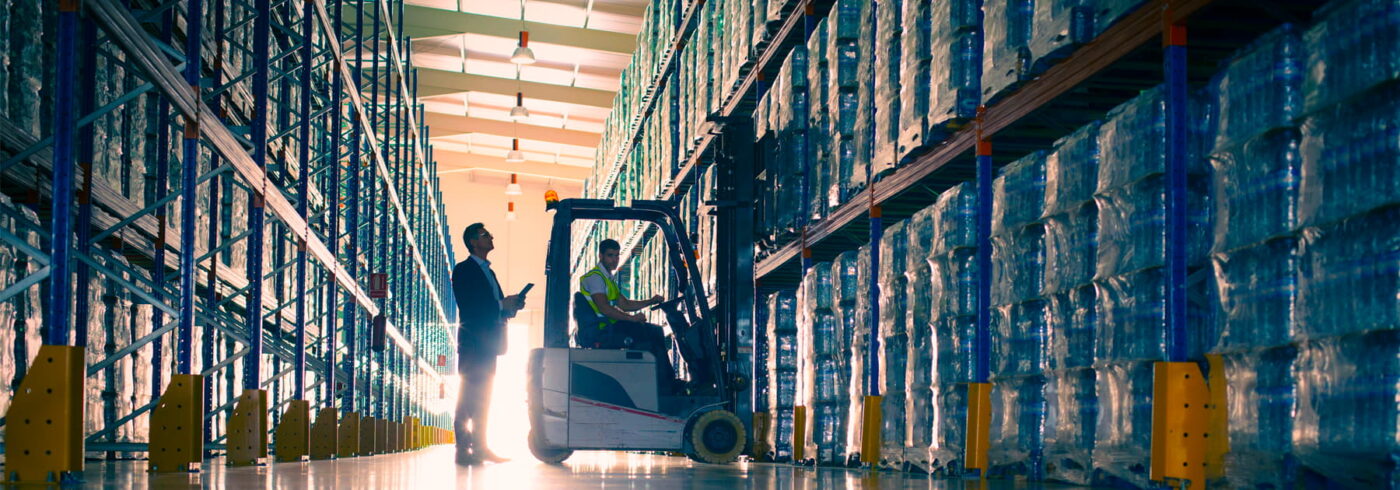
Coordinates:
[471,197]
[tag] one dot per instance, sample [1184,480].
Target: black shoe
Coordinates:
[468,459]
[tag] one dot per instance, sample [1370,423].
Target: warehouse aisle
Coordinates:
[433,468]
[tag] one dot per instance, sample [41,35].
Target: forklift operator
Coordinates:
[614,326]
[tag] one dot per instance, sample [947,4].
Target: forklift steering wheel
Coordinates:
[665,305]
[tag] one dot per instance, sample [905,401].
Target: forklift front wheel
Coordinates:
[716,437]
[547,455]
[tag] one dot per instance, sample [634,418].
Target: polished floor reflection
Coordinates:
[433,469]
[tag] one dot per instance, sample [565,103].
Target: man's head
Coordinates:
[609,252]
[479,241]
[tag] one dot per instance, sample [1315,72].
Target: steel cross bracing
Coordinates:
[122,249]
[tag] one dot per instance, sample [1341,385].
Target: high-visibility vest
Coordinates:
[613,295]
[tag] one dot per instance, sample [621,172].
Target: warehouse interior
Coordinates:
[893,243]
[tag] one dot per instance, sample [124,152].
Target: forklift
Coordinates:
[607,396]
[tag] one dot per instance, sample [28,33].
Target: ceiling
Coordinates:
[467,83]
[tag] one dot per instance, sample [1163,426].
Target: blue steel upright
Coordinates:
[982,337]
[162,122]
[87,96]
[1176,195]
[64,122]
[333,218]
[252,366]
[308,31]
[184,342]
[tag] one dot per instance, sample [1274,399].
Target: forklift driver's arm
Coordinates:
[610,311]
[629,305]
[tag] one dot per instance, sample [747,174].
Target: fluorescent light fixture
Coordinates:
[523,55]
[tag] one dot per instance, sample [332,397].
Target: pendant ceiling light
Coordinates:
[523,55]
[510,211]
[515,155]
[513,189]
[519,112]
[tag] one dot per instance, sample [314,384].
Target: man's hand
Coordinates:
[655,300]
[638,318]
[513,303]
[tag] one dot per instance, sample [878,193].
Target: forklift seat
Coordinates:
[589,336]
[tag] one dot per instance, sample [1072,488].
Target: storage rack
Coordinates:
[347,173]
[1095,77]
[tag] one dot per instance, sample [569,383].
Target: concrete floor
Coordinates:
[434,469]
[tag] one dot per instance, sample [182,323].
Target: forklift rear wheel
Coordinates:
[716,437]
[547,454]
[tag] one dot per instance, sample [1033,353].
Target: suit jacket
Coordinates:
[482,331]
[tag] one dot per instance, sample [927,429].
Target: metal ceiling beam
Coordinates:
[421,22]
[450,162]
[433,82]
[452,125]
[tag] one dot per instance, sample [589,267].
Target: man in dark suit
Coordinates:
[482,311]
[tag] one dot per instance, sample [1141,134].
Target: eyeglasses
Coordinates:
[484,235]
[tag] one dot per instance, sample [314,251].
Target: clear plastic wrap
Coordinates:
[1006,57]
[859,353]
[819,124]
[1351,157]
[1021,332]
[1345,426]
[1256,190]
[822,385]
[760,355]
[893,303]
[1107,12]
[1018,265]
[1123,438]
[1132,322]
[1260,406]
[1261,87]
[956,69]
[1017,431]
[955,358]
[1349,275]
[914,76]
[1352,46]
[1018,194]
[954,282]
[919,370]
[1071,170]
[894,341]
[1073,319]
[1071,425]
[1258,294]
[955,219]
[1071,247]
[1059,27]
[1133,139]
[850,69]
[1132,226]
[950,428]
[887,102]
